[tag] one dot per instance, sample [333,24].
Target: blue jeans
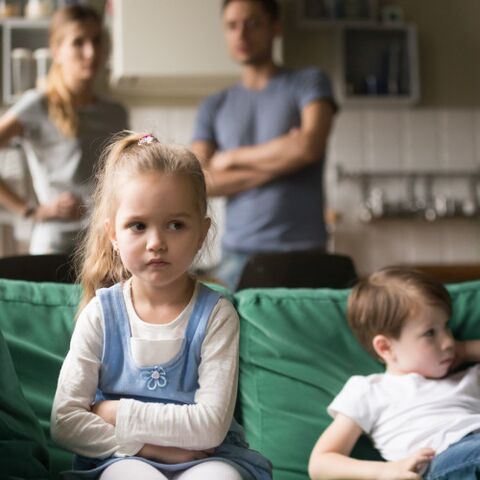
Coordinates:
[231,266]
[460,461]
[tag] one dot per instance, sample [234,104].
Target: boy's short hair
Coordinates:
[381,303]
[270,6]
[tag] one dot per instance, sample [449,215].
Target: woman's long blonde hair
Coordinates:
[61,109]
[129,155]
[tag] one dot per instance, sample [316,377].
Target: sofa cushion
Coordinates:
[296,352]
[37,320]
[23,452]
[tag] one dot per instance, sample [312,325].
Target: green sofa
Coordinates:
[296,353]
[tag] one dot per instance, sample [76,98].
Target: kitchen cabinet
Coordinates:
[20,33]
[330,13]
[377,64]
[170,48]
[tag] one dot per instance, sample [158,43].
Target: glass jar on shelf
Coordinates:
[22,70]
[39,8]
[43,61]
[10,8]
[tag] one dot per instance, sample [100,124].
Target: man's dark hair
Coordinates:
[270,6]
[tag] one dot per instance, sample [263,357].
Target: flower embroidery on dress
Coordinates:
[156,378]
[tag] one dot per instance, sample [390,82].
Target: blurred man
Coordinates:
[262,143]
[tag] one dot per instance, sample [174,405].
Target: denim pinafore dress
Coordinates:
[173,382]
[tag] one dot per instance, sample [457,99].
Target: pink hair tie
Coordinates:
[147,139]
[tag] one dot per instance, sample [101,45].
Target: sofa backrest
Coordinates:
[37,320]
[23,449]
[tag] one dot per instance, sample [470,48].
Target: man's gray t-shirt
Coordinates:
[286,213]
[60,164]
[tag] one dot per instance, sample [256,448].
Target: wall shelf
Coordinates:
[336,13]
[19,33]
[377,64]
[367,175]
[419,199]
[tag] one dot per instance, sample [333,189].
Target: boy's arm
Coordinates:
[467,351]
[330,457]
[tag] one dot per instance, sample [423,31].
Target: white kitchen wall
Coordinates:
[370,139]
[410,139]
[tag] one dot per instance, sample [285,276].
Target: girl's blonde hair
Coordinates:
[130,154]
[61,109]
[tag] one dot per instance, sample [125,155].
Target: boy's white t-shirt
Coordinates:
[403,413]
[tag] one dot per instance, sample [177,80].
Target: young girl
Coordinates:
[148,387]
[423,419]
[62,126]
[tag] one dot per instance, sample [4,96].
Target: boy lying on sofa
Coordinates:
[424,420]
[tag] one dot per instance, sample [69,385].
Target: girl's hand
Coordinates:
[172,454]
[107,409]
[408,468]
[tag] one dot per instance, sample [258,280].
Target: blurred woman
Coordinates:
[63,127]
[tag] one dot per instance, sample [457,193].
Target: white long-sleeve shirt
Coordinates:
[201,425]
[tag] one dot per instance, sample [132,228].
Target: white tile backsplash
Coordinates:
[418,140]
[476,134]
[149,120]
[382,130]
[181,125]
[348,151]
[387,139]
[421,139]
[458,136]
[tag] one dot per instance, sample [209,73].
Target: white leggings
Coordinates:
[132,468]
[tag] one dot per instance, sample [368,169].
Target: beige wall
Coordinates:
[449,48]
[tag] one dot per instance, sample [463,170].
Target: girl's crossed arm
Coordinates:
[143,427]
[330,457]
[73,425]
[202,425]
